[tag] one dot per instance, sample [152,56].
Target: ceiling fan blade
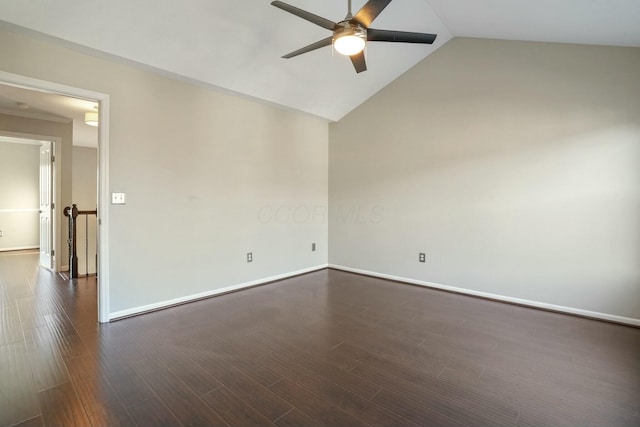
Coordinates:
[318,20]
[370,11]
[374,35]
[312,46]
[359,62]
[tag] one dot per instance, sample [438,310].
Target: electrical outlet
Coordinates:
[249,256]
[313,247]
[0,233]
[422,257]
[118,198]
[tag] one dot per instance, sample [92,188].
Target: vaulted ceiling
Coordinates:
[237,44]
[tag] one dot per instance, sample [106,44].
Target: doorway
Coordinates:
[27,194]
[19,194]
[50,88]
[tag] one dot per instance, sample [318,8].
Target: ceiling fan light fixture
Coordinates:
[350,39]
[352,33]
[91,118]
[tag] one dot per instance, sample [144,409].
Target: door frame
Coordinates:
[103,171]
[53,262]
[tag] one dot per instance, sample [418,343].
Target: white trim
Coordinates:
[13,140]
[189,298]
[33,115]
[529,303]
[103,210]
[19,210]
[19,248]
[64,268]
[103,170]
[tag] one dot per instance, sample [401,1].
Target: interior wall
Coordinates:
[208,177]
[85,196]
[19,191]
[63,166]
[515,166]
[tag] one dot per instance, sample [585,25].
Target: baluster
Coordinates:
[74,243]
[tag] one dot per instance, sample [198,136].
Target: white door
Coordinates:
[46,206]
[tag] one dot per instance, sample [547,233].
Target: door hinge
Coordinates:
[53,159]
[53,205]
[53,252]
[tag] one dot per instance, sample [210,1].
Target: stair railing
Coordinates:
[72,213]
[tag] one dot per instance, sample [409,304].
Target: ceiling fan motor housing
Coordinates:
[349,29]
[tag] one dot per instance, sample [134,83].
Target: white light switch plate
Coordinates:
[117,198]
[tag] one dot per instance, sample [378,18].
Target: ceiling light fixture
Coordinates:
[91,118]
[350,38]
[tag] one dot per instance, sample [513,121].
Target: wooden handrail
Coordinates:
[72,213]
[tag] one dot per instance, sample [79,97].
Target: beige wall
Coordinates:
[515,166]
[85,196]
[19,189]
[62,179]
[199,168]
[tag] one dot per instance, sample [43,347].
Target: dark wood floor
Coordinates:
[327,348]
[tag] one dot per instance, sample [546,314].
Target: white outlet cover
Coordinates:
[117,198]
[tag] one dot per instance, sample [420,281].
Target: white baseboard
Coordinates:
[19,248]
[519,301]
[188,298]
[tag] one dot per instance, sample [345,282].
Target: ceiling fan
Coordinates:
[351,34]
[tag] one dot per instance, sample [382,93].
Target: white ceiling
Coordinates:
[46,106]
[600,22]
[237,44]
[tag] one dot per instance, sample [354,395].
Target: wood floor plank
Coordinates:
[319,409]
[10,327]
[297,418]
[234,410]
[129,386]
[353,383]
[100,402]
[355,405]
[188,371]
[246,388]
[47,364]
[61,407]
[427,364]
[263,375]
[18,399]
[555,415]
[462,404]
[420,413]
[182,401]
[309,339]
[64,337]
[153,413]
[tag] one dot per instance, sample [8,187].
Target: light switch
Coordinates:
[117,198]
